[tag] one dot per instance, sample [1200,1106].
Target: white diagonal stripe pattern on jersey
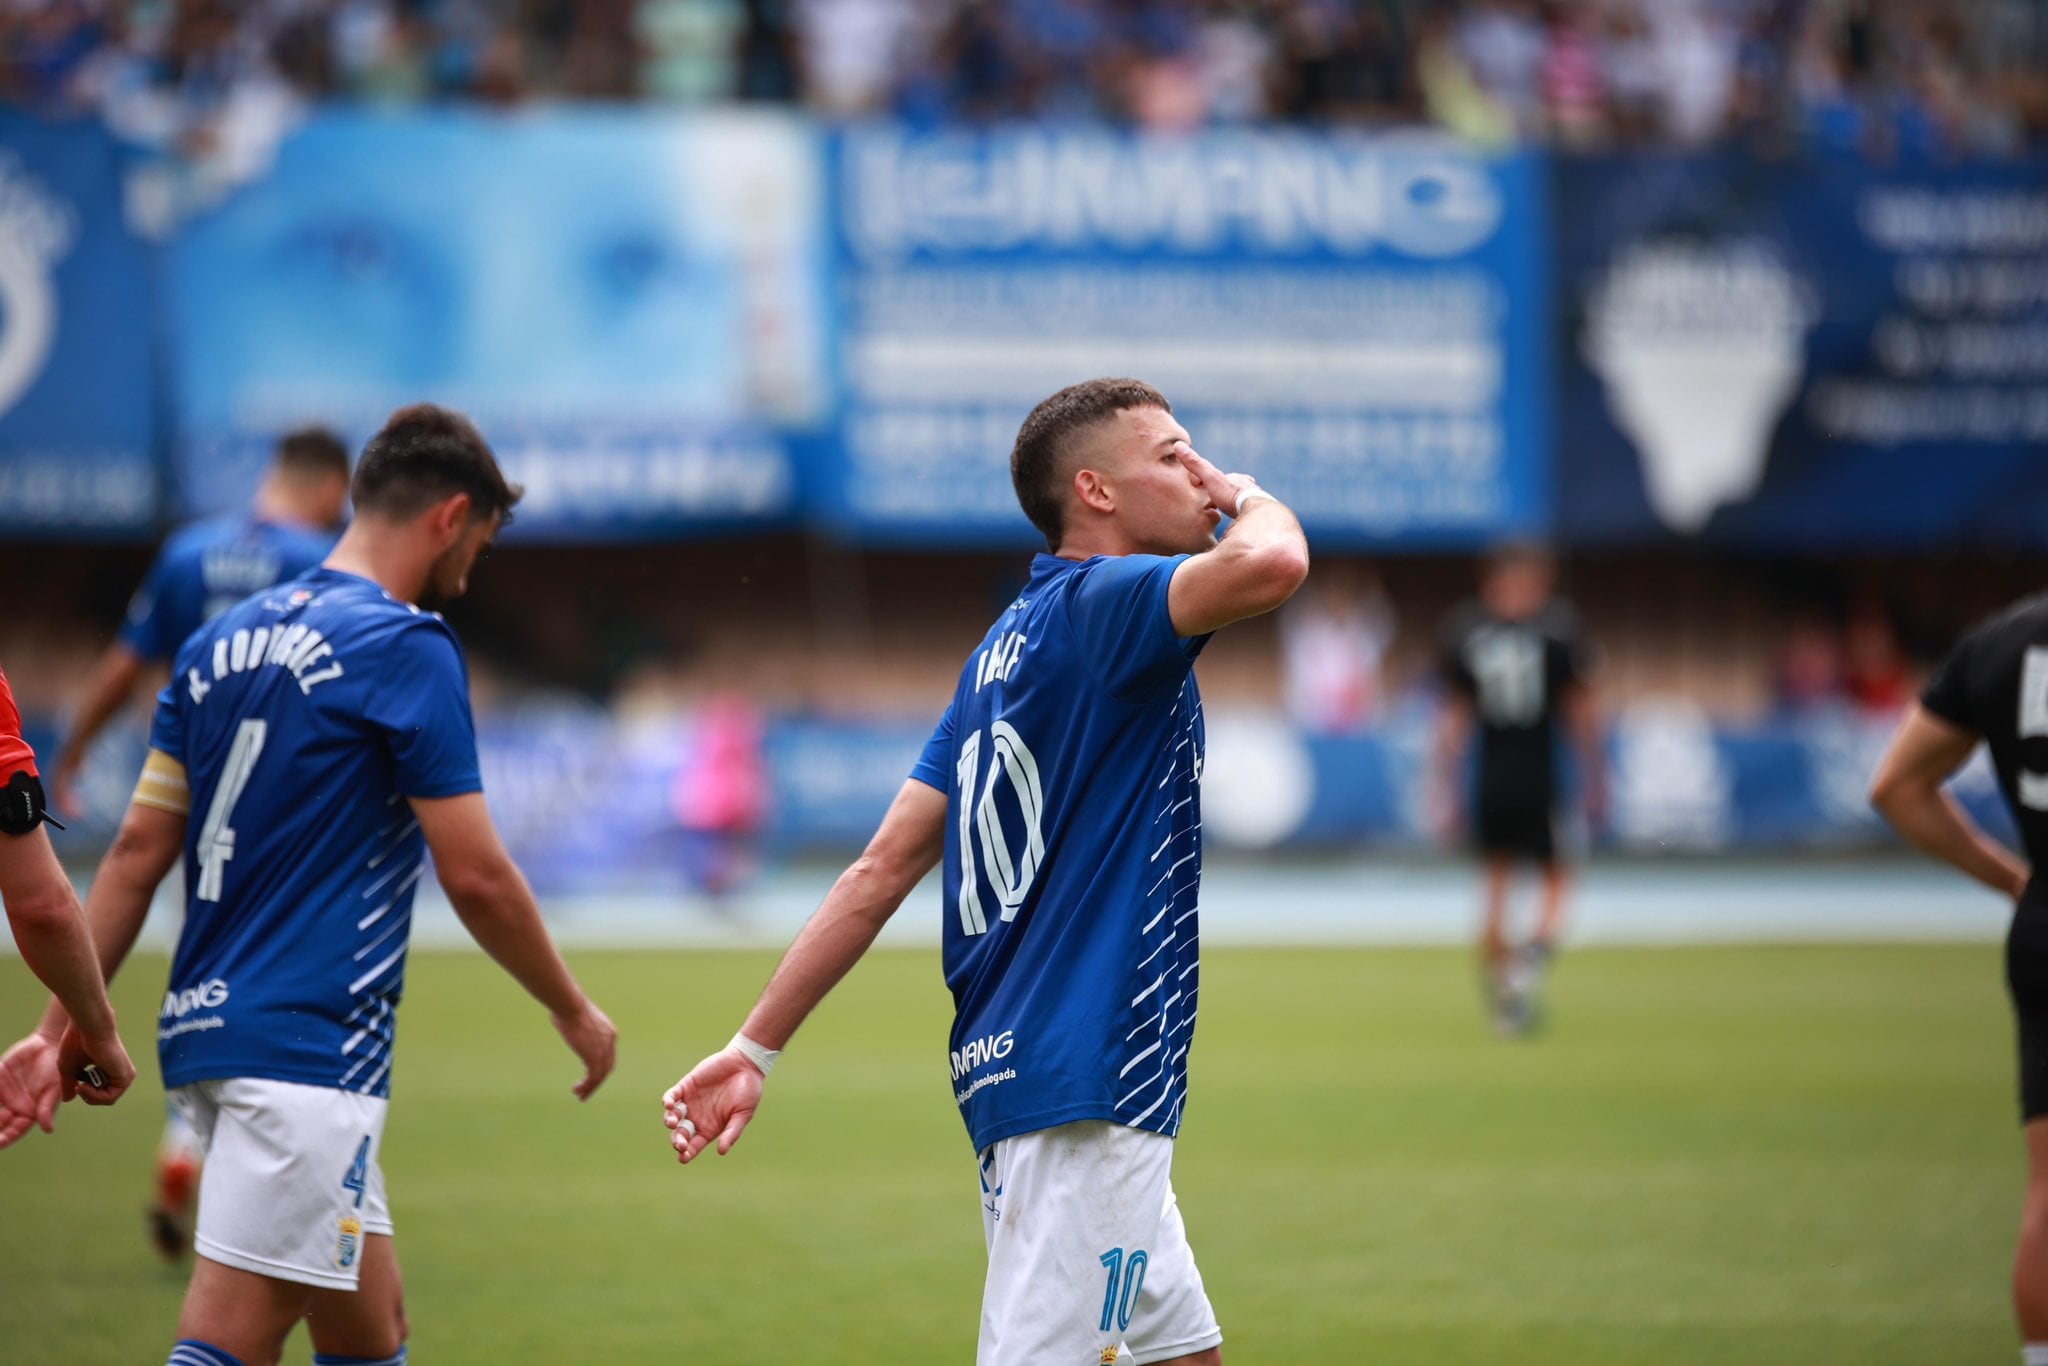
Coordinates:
[376,972]
[374,916]
[396,840]
[366,950]
[1150,1049]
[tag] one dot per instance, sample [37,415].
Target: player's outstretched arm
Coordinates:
[1252,570]
[1910,792]
[717,1099]
[496,906]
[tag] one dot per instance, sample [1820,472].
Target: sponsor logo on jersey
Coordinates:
[351,1242]
[979,1052]
[207,996]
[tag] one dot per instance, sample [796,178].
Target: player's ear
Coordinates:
[450,516]
[1093,491]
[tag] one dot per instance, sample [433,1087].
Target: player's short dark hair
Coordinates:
[1038,460]
[427,453]
[311,451]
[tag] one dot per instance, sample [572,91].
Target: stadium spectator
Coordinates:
[1083,694]
[1888,78]
[280,1018]
[48,927]
[1333,642]
[1516,673]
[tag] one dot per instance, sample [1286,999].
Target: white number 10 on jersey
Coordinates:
[1008,877]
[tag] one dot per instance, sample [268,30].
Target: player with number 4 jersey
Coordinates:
[1061,789]
[313,745]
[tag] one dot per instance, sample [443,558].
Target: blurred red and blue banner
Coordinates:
[1813,356]
[77,406]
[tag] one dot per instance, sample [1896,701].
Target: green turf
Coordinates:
[1787,1155]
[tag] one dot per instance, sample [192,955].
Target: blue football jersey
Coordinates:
[207,568]
[1071,759]
[304,718]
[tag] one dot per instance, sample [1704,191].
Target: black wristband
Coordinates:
[22,807]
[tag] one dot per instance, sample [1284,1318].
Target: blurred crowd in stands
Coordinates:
[1884,78]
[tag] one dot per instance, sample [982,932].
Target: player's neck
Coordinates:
[384,555]
[1086,542]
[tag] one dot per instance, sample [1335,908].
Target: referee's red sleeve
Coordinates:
[15,755]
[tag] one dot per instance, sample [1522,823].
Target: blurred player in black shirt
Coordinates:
[1515,670]
[1994,687]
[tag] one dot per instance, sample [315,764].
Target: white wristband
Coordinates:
[1250,496]
[762,1057]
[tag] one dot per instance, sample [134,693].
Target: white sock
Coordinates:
[2034,1354]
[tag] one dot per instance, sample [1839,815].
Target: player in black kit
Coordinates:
[1514,667]
[1994,687]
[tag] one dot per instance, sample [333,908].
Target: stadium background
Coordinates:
[1742,305]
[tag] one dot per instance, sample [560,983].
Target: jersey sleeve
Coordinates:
[1951,693]
[421,704]
[1119,615]
[934,767]
[15,754]
[143,629]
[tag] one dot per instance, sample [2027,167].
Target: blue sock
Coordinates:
[193,1352]
[322,1359]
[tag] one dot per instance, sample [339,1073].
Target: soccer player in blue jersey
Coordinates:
[313,745]
[1062,789]
[202,570]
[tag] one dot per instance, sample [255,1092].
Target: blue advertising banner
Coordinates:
[1831,356]
[1360,321]
[630,305]
[76,412]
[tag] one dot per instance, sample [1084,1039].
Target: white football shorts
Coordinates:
[1086,1251]
[291,1184]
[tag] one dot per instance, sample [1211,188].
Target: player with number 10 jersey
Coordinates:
[1071,757]
[1061,789]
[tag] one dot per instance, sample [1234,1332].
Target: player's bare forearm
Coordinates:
[493,900]
[106,692]
[1909,791]
[905,848]
[498,908]
[117,902]
[50,929]
[1592,755]
[1935,824]
[1252,570]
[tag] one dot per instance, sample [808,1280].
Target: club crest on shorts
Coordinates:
[351,1242]
[1109,1356]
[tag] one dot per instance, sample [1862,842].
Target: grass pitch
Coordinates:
[1783,1155]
